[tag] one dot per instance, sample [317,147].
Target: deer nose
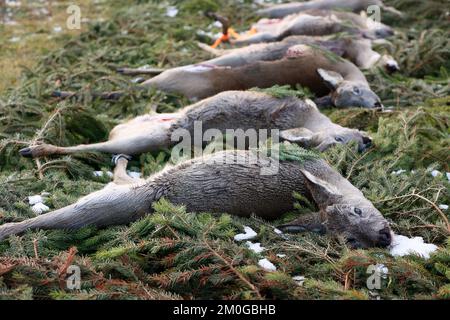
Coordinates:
[366,143]
[385,237]
[378,105]
[384,33]
[392,67]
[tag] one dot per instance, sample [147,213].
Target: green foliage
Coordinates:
[285,91]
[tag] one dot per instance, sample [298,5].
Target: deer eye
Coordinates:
[358,211]
[356,91]
[339,139]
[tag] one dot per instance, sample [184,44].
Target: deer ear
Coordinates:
[332,79]
[323,192]
[302,136]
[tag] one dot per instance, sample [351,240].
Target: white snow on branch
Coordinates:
[402,246]
[255,247]
[32,200]
[435,173]
[277,231]
[299,280]
[101,174]
[39,208]
[134,174]
[267,265]
[171,11]
[249,234]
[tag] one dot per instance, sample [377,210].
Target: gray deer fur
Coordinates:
[316,23]
[282,10]
[357,50]
[234,186]
[298,121]
[308,66]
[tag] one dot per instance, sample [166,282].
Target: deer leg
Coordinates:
[213,51]
[256,38]
[42,150]
[131,146]
[120,171]
[139,71]
[311,222]
[113,205]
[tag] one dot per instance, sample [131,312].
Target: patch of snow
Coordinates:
[13,3]
[32,200]
[443,206]
[101,173]
[207,34]
[448,175]
[215,24]
[249,234]
[435,173]
[171,11]
[277,231]
[402,246]
[267,265]
[14,39]
[281,255]
[299,280]
[57,29]
[255,247]
[134,174]
[398,172]
[39,208]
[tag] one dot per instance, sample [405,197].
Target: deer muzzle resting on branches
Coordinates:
[297,120]
[231,182]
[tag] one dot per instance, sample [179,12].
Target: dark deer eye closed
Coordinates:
[339,139]
[356,91]
[358,211]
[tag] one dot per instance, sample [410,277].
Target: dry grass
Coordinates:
[34,32]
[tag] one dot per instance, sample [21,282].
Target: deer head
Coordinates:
[324,139]
[346,93]
[350,216]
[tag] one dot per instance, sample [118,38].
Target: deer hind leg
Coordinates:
[120,171]
[117,203]
[142,134]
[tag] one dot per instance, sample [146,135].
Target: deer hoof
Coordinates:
[36,151]
[116,157]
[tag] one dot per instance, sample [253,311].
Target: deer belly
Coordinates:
[234,189]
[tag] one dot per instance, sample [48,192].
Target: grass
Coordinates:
[177,254]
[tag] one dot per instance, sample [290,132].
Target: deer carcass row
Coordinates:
[297,120]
